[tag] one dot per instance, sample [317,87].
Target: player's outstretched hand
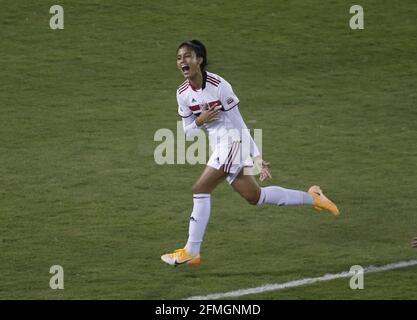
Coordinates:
[265,174]
[414,244]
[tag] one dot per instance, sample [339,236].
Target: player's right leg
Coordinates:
[200,215]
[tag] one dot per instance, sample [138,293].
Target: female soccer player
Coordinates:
[207,101]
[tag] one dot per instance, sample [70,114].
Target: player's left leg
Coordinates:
[249,189]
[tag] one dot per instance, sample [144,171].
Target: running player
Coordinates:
[207,101]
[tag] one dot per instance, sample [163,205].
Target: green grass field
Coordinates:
[79,186]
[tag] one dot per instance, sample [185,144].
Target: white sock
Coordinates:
[284,197]
[198,222]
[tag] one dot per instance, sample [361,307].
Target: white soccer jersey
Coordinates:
[215,92]
[225,143]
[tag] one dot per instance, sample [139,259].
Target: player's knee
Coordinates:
[252,198]
[197,188]
[253,201]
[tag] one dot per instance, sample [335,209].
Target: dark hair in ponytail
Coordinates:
[199,49]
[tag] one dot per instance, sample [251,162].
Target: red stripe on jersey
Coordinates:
[183,89]
[215,103]
[214,79]
[183,84]
[213,83]
[211,104]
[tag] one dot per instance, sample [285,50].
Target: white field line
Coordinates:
[302,282]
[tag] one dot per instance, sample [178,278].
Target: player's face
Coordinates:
[188,63]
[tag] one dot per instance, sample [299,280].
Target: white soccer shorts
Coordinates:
[232,157]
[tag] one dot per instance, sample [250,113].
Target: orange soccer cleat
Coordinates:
[321,201]
[180,256]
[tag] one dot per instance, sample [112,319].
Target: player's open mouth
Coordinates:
[185,68]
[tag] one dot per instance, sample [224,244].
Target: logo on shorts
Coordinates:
[193,219]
